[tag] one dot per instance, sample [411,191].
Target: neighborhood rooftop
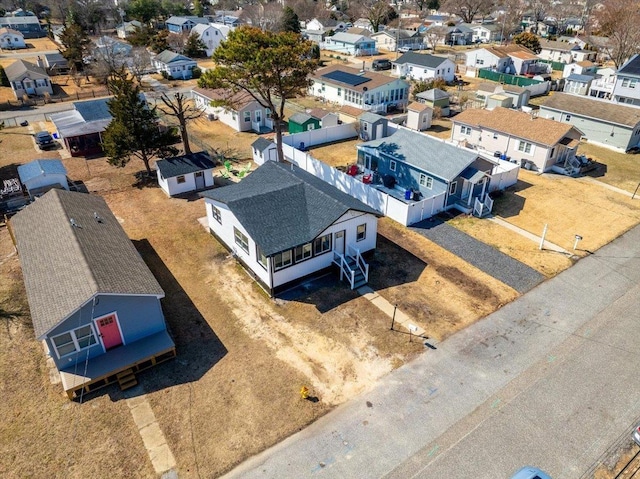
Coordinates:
[632,67]
[35,168]
[183,165]
[592,108]
[72,248]
[516,123]
[20,67]
[282,206]
[90,116]
[425,152]
[351,78]
[422,59]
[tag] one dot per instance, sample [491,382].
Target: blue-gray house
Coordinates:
[94,302]
[178,24]
[410,160]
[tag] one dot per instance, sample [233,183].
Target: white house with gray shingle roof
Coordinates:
[350,44]
[11,39]
[174,65]
[94,303]
[186,173]
[422,66]
[28,79]
[286,225]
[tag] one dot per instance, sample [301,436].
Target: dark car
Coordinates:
[44,140]
[381,64]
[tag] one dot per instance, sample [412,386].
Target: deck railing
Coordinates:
[360,262]
[341,261]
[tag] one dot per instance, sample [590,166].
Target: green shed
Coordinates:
[300,122]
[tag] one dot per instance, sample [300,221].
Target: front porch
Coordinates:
[103,370]
[352,267]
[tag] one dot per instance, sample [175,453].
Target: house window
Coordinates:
[361,232]
[453,188]
[311,126]
[567,118]
[495,136]
[180,179]
[524,146]
[247,116]
[426,181]
[479,61]
[303,252]
[392,165]
[74,341]
[322,244]
[465,130]
[339,91]
[215,212]
[282,260]
[241,239]
[262,259]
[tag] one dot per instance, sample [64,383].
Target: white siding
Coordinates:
[270,153]
[172,187]
[446,70]
[46,180]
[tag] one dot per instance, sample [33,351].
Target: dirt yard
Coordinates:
[242,357]
[617,169]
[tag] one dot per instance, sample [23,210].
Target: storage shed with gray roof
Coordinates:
[284,224]
[91,296]
[186,173]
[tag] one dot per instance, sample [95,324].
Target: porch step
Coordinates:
[126,379]
[359,284]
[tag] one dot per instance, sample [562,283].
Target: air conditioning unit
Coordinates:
[212,116]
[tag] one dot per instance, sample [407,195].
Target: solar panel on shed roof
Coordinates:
[348,78]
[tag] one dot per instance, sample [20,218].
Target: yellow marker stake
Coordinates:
[304,392]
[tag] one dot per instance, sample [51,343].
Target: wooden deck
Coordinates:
[104,369]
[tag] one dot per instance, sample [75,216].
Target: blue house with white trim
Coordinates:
[177,24]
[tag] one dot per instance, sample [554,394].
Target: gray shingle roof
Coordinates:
[261,144]
[632,67]
[65,266]
[92,110]
[300,118]
[422,59]
[168,56]
[282,206]
[611,113]
[20,67]
[424,152]
[580,78]
[434,94]
[182,165]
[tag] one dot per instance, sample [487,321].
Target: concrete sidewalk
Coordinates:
[547,244]
[407,419]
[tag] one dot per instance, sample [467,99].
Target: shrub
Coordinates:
[196,72]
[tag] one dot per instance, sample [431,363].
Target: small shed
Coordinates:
[499,100]
[372,126]
[264,150]
[435,98]
[182,174]
[419,116]
[39,176]
[327,118]
[299,122]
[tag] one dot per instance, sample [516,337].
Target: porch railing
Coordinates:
[341,261]
[360,262]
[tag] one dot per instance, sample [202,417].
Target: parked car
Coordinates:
[636,435]
[44,140]
[408,48]
[381,64]
[529,472]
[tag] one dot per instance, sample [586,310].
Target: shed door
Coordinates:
[109,331]
[199,180]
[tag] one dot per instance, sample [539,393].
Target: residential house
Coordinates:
[413,161]
[93,301]
[419,116]
[325,25]
[211,35]
[81,128]
[285,225]
[226,18]
[535,143]
[436,99]
[368,91]
[601,122]
[585,56]
[174,65]
[603,83]
[519,96]
[459,34]
[39,176]
[421,66]
[28,79]
[53,63]
[242,113]
[184,24]
[580,68]
[524,61]
[128,28]
[29,25]
[562,52]
[627,86]
[183,174]
[360,31]
[325,117]
[577,84]
[392,39]
[363,23]
[441,20]
[109,47]
[372,126]
[489,57]
[264,150]
[486,33]
[11,39]
[299,122]
[348,44]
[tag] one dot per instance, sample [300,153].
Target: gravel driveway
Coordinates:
[504,268]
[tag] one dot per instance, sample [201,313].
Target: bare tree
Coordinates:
[619,20]
[176,41]
[139,62]
[511,17]
[468,9]
[560,13]
[376,11]
[182,110]
[106,59]
[435,36]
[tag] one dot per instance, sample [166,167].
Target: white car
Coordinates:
[529,472]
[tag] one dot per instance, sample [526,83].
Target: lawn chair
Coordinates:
[243,172]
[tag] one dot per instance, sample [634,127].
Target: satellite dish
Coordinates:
[364,88]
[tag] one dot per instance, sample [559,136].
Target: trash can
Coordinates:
[408,194]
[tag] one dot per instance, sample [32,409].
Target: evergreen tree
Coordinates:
[528,40]
[194,47]
[133,131]
[160,41]
[75,42]
[4,81]
[290,21]
[198,9]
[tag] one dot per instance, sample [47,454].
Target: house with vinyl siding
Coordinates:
[285,225]
[28,79]
[186,173]
[241,112]
[94,303]
[422,66]
[11,39]
[38,176]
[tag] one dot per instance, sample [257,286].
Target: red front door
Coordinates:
[109,331]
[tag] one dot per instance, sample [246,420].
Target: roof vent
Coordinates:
[97,217]
[74,223]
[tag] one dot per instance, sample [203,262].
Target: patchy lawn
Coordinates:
[619,169]
[338,154]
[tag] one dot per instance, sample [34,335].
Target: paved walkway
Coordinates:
[399,318]
[486,258]
[547,244]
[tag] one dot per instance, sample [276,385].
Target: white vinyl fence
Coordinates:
[504,175]
[321,135]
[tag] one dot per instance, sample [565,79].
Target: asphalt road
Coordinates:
[548,380]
